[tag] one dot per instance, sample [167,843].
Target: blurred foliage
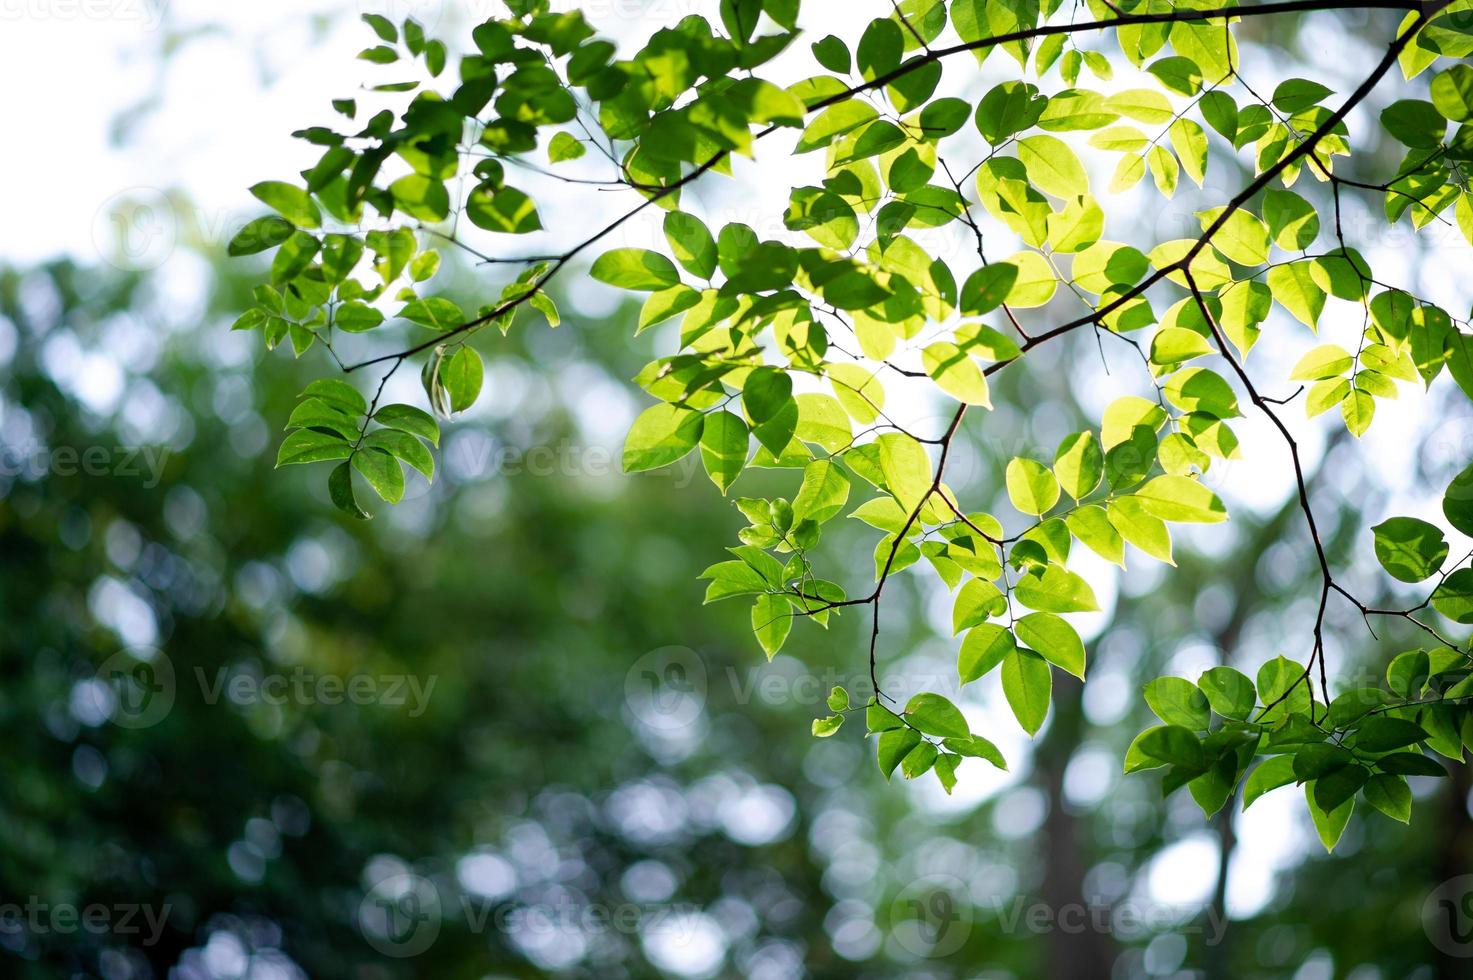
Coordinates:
[258,831]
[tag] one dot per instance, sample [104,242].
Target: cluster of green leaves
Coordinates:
[1363,744]
[784,343]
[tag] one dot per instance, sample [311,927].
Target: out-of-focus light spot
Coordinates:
[760,815]
[647,812]
[1165,953]
[89,766]
[1184,873]
[1019,813]
[487,874]
[117,607]
[648,881]
[1090,775]
[688,943]
[852,930]
[1264,849]
[1106,697]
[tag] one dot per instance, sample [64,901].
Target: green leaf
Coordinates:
[1294,287]
[724,444]
[1054,639]
[985,647]
[410,419]
[1242,237]
[1032,487]
[824,491]
[918,760]
[340,490]
[987,288]
[1052,166]
[1454,597]
[772,619]
[1358,409]
[1293,221]
[505,210]
[1457,501]
[691,244]
[906,468]
[1008,108]
[291,202]
[935,715]
[1414,122]
[1452,92]
[1173,745]
[1328,824]
[1196,389]
[339,393]
[661,435]
[824,727]
[1324,361]
[1057,590]
[895,745]
[635,268]
[1027,684]
[421,197]
[1144,530]
[311,446]
[955,373]
[1409,549]
[766,392]
[1391,795]
[462,374]
[977,600]
[382,472]
[1181,499]
[833,54]
[1229,692]
[565,146]
[977,747]
[404,447]
[1091,525]
[1079,464]
[1175,345]
[259,235]
[1297,94]
[1177,701]
[1269,775]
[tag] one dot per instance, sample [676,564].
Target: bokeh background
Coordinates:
[493,733]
